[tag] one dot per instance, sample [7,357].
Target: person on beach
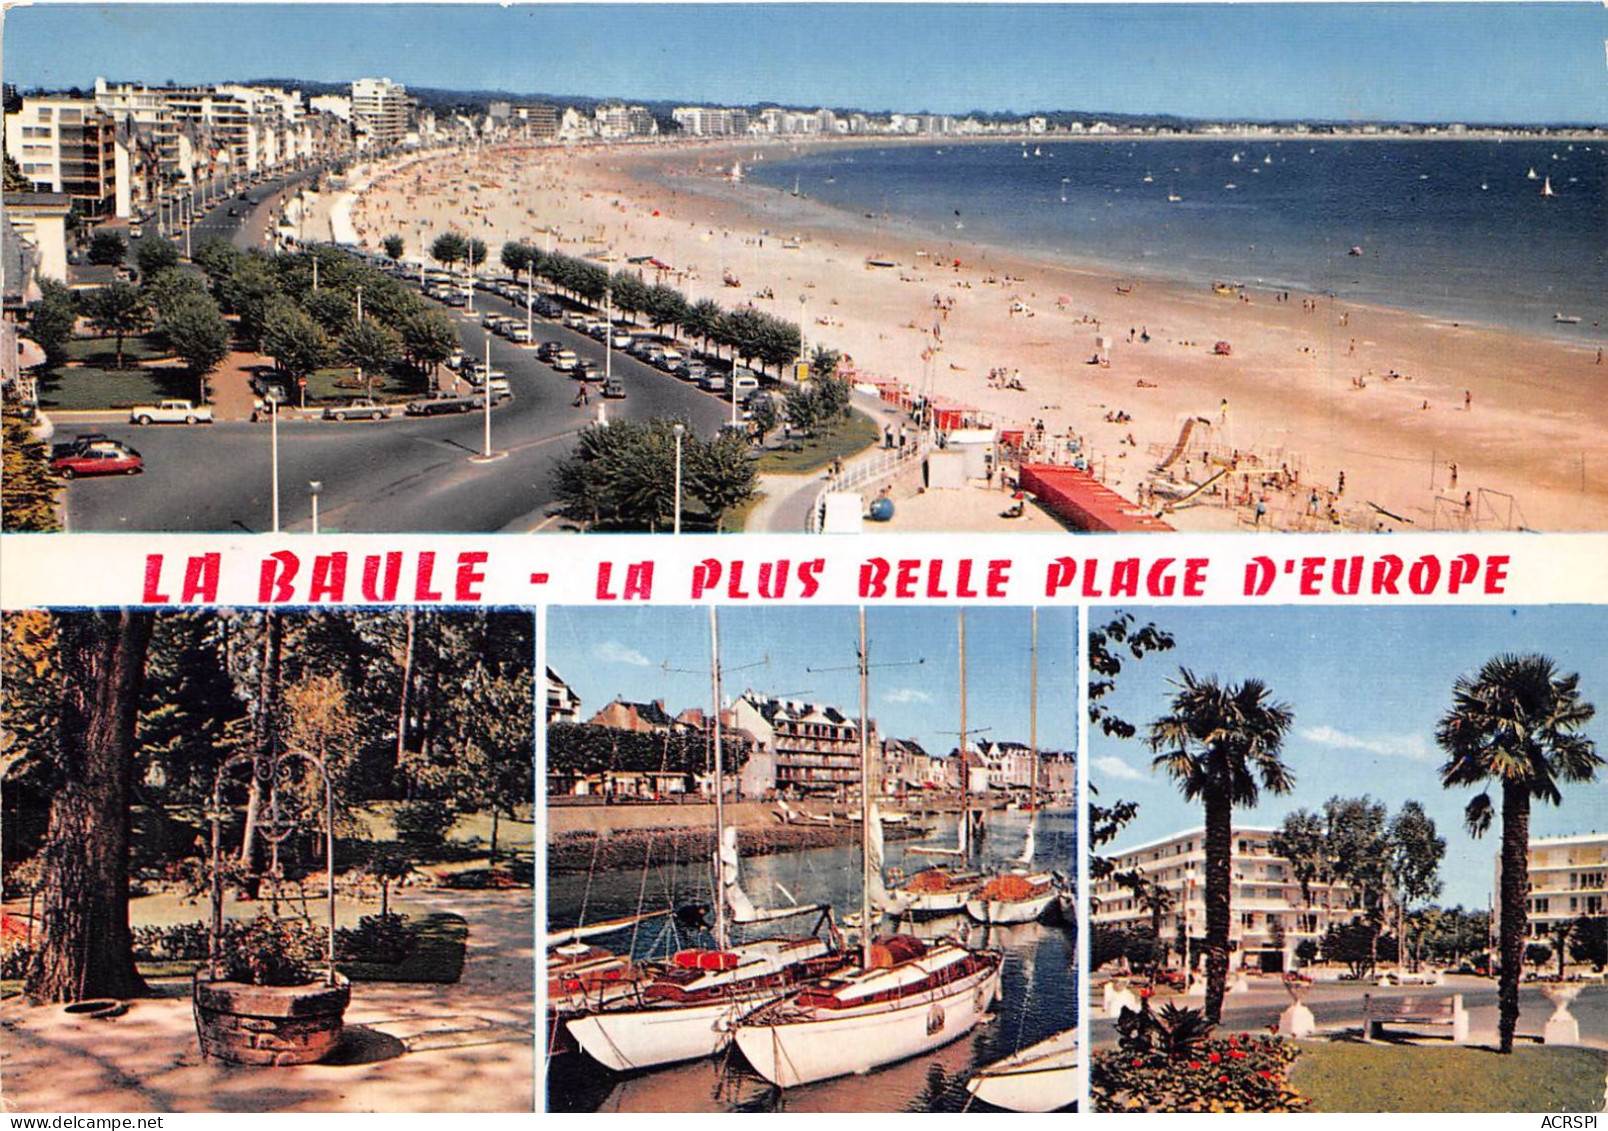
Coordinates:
[1340,487]
[1468,400]
[1453,468]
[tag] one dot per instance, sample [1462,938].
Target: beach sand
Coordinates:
[1434,425]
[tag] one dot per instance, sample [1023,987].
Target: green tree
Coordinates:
[251,290]
[1589,941]
[824,362]
[118,309]
[332,308]
[15,180]
[1354,830]
[153,256]
[518,257]
[393,246]
[197,332]
[86,946]
[164,290]
[297,344]
[429,338]
[370,345]
[704,320]
[764,416]
[216,257]
[1121,633]
[720,474]
[1300,839]
[449,248]
[52,319]
[1416,851]
[107,248]
[475,252]
[28,491]
[1515,725]
[1220,743]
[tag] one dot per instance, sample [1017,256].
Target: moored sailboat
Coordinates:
[1047,1076]
[682,1009]
[904,998]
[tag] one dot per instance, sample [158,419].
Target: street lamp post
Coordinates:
[803,352]
[485,388]
[314,486]
[530,289]
[678,430]
[273,448]
[608,335]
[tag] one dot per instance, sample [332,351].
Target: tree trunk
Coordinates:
[494,815]
[1219,850]
[402,700]
[1515,918]
[86,948]
[265,723]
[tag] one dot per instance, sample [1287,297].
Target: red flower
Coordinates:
[1265,1074]
[1222,1079]
[1238,1054]
[1137,1063]
[1215,1057]
[1144,992]
[1194,1064]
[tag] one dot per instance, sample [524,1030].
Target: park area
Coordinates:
[268,862]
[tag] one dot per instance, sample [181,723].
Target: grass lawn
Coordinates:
[1351,1077]
[339,382]
[854,435]
[90,387]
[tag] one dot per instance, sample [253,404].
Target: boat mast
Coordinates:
[1032,719]
[720,772]
[865,806]
[965,770]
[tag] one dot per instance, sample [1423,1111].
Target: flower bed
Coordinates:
[1241,1073]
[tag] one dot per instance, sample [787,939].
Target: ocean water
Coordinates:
[1038,992]
[1455,229]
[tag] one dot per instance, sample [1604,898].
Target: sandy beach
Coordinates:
[1324,415]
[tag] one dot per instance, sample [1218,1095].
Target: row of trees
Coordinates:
[343,311]
[581,748]
[120,721]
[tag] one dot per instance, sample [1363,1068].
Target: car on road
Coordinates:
[79,443]
[587,370]
[548,350]
[98,459]
[565,360]
[1173,979]
[358,408]
[519,335]
[620,340]
[713,383]
[440,404]
[170,412]
[614,389]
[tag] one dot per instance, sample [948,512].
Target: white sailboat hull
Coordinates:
[1009,910]
[628,1040]
[792,1053]
[934,904]
[1047,1076]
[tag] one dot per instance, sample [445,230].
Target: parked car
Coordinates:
[1172,979]
[98,459]
[587,370]
[79,443]
[713,383]
[170,412]
[744,386]
[440,404]
[614,389]
[565,360]
[548,350]
[620,340]
[519,335]
[359,408]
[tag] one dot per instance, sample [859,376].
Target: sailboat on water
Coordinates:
[682,1009]
[1047,1076]
[905,997]
[1546,189]
[1020,895]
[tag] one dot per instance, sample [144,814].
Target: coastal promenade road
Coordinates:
[401,475]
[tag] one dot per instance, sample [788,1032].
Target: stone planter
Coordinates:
[268,1025]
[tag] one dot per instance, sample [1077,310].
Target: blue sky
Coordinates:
[1366,686]
[1513,62]
[604,652]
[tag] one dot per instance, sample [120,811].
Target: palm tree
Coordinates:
[1515,724]
[1218,743]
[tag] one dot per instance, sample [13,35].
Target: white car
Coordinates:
[1409,978]
[170,412]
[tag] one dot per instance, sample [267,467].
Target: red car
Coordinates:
[98,459]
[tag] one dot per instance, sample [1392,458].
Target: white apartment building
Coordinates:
[1269,918]
[379,112]
[1568,879]
[66,145]
[710,121]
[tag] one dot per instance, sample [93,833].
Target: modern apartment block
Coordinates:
[1568,879]
[1269,916]
[817,748]
[66,145]
[379,112]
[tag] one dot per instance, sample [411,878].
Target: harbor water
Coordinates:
[1038,995]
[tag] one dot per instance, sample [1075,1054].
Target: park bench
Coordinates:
[1417,1010]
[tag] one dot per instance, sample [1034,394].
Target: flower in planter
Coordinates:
[272,952]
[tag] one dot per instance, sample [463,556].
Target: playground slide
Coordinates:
[1183,442]
[1182,499]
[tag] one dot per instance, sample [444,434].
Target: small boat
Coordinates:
[795,185]
[1356,251]
[879,261]
[1173,198]
[1149,179]
[1546,188]
[1268,160]
[736,171]
[1532,175]
[1231,185]
[1047,1076]
[1566,319]
[1036,152]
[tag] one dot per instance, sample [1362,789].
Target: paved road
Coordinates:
[389,476]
